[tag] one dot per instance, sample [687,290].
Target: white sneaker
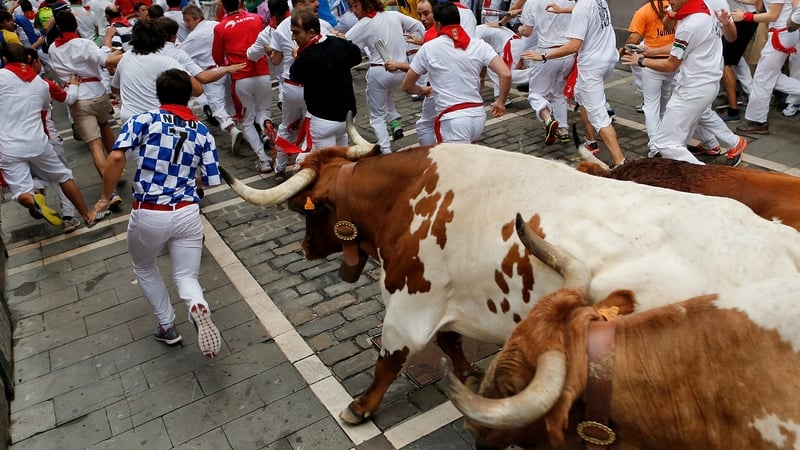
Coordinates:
[236,137]
[208,338]
[263,167]
[791,109]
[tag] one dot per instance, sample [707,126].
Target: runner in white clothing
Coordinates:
[592,37]
[375,24]
[509,46]
[546,81]
[453,61]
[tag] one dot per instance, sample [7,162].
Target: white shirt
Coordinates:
[98,8]
[389,27]
[591,23]
[177,16]
[22,103]
[281,41]
[699,47]
[786,11]
[186,61]
[86,21]
[550,28]
[136,79]
[198,43]
[454,73]
[468,21]
[80,57]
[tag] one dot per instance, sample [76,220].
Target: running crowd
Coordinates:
[150,60]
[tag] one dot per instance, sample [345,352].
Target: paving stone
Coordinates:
[213,440]
[31,368]
[151,435]
[245,335]
[323,268]
[338,353]
[79,309]
[90,346]
[280,444]
[212,411]
[322,341]
[368,291]
[379,442]
[100,254]
[445,437]
[91,397]
[298,318]
[129,355]
[80,433]
[239,366]
[285,283]
[34,304]
[334,305]
[304,302]
[116,315]
[362,309]
[390,414]
[30,421]
[133,381]
[427,398]
[163,398]
[323,324]
[119,417]
[28,326]
[359,363]
[357,327]
[280,419]
[325,434]
[341,287]
[49,339]
[177,361]
[278,382]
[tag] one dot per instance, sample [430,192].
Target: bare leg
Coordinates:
[74,195]
[590,134]
[609,135]
[98,156]
[729,84]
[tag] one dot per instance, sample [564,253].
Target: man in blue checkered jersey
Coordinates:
[175,150]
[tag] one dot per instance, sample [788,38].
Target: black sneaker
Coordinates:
[732,115]
[168,335]
[210,119]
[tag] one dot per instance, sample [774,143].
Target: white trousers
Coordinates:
[255,93]
[424,126]
[794,72]
[689,108]
[656,90]
[464,127]
[326,133]
[380,102]
[182,231]
[518,76]
[216,94]
[590,92]
[768,77]
[293,113]
[546,87]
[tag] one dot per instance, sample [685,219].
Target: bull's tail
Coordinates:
[585,153]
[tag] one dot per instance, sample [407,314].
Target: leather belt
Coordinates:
[157,207]
[293,83]
[376,65]
[89,79]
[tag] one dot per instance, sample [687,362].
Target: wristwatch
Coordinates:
[544,56]
[640,61]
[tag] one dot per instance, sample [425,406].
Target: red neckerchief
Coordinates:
[691,7]
[457,34]
[371,15]
[122,21]
[181,111]
[310,42]
[30,15]
[66,36]
[273,21]
[430,34]
[22,70]
[459,5]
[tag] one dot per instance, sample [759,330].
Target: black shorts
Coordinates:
[732,51]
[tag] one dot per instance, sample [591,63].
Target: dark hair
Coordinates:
[277,8]
[66,22]
[446,14]
[15,53]
[147,37]
[155,11]
[193,11]
[113,12]
[369,6]
[168,26]
[305,19]
[138,5]
[25,5]
[173,3]
[658,7]
[174,87]
[5,15]
[230,5]
[33,55]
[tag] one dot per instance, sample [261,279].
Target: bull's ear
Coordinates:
[623,299]
[557,419]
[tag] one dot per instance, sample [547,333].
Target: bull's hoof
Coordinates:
[350,417]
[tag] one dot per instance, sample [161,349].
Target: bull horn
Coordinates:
[527,406]
[360,145]
[272,196]
[576,275]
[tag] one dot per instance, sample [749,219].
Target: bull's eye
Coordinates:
[345,230]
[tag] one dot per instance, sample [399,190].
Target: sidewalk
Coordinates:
[298,342]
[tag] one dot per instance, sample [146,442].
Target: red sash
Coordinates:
[508,58]
[777,44]
[437,122]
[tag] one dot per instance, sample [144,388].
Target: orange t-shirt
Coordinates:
[646,22]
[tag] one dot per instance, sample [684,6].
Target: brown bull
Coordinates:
[712,372]
[771,195]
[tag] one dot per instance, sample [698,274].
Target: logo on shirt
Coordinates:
[605,17]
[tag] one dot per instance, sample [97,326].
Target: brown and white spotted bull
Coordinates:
[719,371]
[771,195]
[437,220]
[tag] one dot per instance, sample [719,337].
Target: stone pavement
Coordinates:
[298,342]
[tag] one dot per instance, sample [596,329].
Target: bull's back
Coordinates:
[663,244]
